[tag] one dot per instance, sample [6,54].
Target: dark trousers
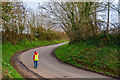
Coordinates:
[35,63]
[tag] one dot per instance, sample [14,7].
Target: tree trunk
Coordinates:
[108,17]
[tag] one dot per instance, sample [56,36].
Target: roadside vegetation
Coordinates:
[96,55]
[8,50]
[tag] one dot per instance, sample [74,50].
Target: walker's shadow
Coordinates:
[31,66]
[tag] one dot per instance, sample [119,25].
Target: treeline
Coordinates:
[84,20]
[19,23]
[77,20]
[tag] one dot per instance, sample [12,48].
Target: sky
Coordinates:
[65,0]
[33,4]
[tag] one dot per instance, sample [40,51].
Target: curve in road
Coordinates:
[50,67]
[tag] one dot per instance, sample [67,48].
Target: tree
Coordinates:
[74,17]
[13,16]
[107,31]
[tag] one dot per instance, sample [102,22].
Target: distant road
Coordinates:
[50,67]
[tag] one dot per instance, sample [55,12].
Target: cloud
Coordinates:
[68,0]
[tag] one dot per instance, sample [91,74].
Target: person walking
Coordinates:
[35,58]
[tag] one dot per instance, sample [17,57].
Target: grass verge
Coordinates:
[8,50]
[100,59]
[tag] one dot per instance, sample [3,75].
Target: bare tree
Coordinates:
[74,17]
[108,17]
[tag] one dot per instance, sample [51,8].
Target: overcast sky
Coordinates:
[33,4]
[65,0]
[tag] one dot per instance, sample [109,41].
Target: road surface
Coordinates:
[50,67]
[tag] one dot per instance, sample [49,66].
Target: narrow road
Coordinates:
[50,67]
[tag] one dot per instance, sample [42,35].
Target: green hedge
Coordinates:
[90,56]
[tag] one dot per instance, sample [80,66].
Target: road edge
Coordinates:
[53,54]
[20,67]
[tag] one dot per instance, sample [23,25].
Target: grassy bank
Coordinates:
[101,59]
[8,50]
